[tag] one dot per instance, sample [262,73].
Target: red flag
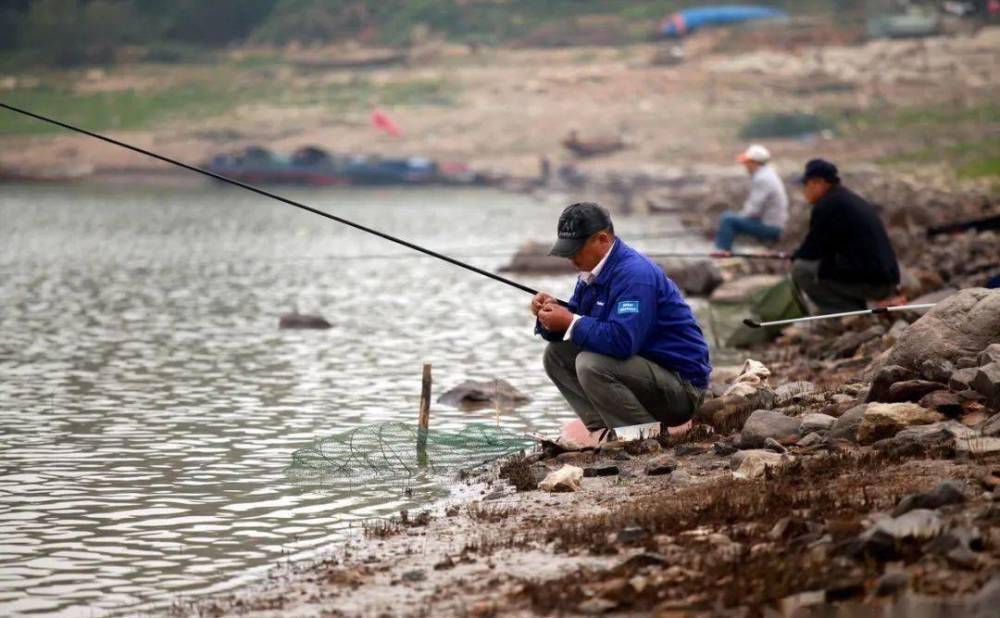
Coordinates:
[382,121]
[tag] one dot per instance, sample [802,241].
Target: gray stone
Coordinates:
[695,278]
[891,584]
[918,524]
[990,355]
[810,440]
[847,344]
[846,427]
[897,330]
[912,390]
[966,362]
[300,321]
[936,370]
[773,445]
[724,449]
[963,324]
[884,420]
[661,464]
[962,379]
[884,379]
[992,426]
[786,393]
[643,447]
[764,424]
[945,402]
[948,492]
[742,289]
[487,392]
[977,446]
[753,463]
[987,384]
[600,470]
[816,422]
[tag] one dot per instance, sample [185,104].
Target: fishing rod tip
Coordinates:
[751,323]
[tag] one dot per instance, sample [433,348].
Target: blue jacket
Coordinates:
[633,308]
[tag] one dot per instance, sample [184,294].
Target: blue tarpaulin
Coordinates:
[684,22]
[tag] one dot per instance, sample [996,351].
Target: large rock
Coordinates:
[846,427]
[301,321]
[987,384]
[764,424]
[990,355]
[753,463]
[742,289]
[816,422]
[695,278]
[948,492]
[884,420]
[564,479]
[471,394]
[962,379]
[945,402]
[847,344]
[963,324]
[884,379]
[534,258]
[913,390]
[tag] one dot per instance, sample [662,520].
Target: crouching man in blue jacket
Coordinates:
[627,349]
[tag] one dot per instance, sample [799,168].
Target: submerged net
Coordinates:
[390,449]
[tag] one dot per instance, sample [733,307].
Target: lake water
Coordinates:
[149,404]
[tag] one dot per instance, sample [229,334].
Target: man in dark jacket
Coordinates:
[846,258]
[626,350]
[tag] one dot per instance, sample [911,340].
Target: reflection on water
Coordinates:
[149,404]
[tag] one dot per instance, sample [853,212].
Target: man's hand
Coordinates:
[540,300]
[555,318]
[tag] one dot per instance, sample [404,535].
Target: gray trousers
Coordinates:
[607,392]
[834,296]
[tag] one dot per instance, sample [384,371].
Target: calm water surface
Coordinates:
[149,404]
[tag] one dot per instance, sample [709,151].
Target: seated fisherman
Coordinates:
[766,209]
[627,350]
[846,258]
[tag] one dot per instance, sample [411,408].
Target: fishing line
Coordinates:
[277,197]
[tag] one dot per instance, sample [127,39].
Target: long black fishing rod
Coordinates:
[273,196]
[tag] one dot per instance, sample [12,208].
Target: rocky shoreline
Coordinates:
[876,484]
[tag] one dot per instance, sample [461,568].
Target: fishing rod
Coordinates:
[722,254]
[827,316]
[512,253]
[277,197]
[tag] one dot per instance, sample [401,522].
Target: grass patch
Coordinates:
[782,124]
[927,116]
[208,94]
[100,111]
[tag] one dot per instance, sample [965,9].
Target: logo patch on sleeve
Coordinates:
[628,306]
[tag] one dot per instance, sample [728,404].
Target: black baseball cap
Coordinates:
[820,168]
[577,223]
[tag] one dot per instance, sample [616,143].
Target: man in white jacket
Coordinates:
[766,210]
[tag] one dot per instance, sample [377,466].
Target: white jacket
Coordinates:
[767,200]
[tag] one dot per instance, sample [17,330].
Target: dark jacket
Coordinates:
[849,240]
[633,308]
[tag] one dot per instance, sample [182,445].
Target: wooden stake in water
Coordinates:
[424,420]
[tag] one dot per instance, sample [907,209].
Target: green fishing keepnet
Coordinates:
[390,449]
